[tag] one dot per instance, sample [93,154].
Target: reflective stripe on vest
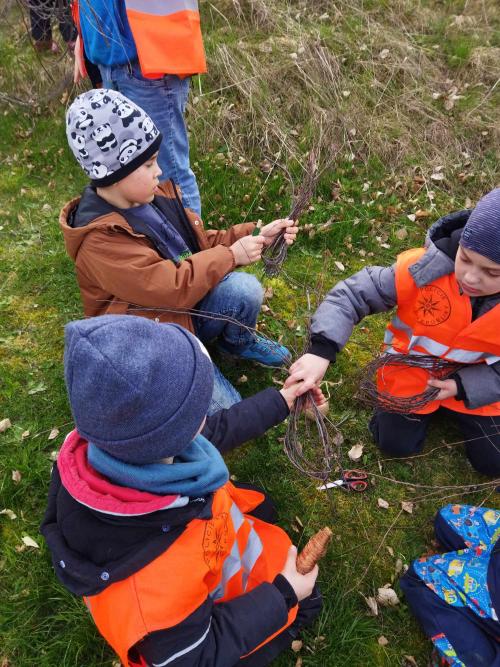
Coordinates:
[433,347]
[162,8]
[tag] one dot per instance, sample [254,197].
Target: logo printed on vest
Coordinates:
[215,541]
[433,306]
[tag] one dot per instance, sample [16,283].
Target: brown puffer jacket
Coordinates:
[121,272]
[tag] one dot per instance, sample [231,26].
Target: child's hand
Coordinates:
[308,370]
[290,393]
[448,388]
[79,69]
[247,250]
[271,230]
[302,584]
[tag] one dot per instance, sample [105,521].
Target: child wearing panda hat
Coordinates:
[138,250]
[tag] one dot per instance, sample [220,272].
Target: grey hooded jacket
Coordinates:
[373,290]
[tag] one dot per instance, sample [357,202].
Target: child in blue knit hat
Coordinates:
[174,561]
[138,250]
[448,306]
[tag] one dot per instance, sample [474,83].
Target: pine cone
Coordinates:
[314,550]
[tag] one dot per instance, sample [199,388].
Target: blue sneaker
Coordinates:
[261,351]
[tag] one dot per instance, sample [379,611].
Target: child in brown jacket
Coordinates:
[138,250]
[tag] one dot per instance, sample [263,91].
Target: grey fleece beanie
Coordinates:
[109,135]
[482,231]
[138,389]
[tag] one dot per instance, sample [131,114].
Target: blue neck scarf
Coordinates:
[197,471]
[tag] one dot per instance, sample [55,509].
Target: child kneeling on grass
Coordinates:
[176,563]
[137,249]
[448,305]
[456,596]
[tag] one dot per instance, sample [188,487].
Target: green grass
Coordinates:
[369,201]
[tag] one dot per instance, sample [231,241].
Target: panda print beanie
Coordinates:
[109,135]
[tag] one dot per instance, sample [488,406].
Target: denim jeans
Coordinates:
[238,295]
[165,100]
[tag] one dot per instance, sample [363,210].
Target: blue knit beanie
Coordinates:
[138,389]
[482,231]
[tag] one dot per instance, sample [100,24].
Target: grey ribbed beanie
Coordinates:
[481,233]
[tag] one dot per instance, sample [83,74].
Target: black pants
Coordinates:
[41,12]
[404,435]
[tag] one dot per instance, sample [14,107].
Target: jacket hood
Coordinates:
[441,245]
[99,533]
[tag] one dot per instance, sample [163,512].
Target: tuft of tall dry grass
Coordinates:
[378,79]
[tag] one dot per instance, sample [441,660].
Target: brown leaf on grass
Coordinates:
[4,425]
[382,641]
[421,213]
[25,434]
[16,476]
[399,566]
[9,513]
[53,434]
[383,504]
[242,379]
[296,645]
[339,266]
[407,506]
[299,662]
[269,293]
[53,455]
[356,452]
[401,233]
[30,542]
[338,439]
[4,662]
[387,597]
[410,661]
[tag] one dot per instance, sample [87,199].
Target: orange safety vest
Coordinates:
[436,320]
[223,557]
[167,36]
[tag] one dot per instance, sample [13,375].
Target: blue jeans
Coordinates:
[238,295]
[165,101]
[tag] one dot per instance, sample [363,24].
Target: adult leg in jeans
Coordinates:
[399,435]
[165,100]
[482,441]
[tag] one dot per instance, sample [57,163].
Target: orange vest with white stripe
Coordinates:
[223,557]
[167,35]
[436,320]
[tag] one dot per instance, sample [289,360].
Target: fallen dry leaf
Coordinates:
[387,597]
[16,476]
[411,217]
[402,233]
[383,641]
[407,506]
[269,293]
[383,54]
[25,434]
[356,452]
[383,503]
[410,661]
[372,605]
[339,266]
[53,434]
[9,513]
[399,566]
[242,379]
[390,551]
[296,645]
[30,542]
[299,662]
[53,455]
[4,425]
[437,176]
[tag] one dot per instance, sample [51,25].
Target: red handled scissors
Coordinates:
[352,480]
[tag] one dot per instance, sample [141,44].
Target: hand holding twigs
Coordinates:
[302,583]
[247,250]
[290,393]
[288,228]
[309,370]
[447,388]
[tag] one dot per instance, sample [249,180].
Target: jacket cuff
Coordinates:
[286,590]
[460,395]
[323,347]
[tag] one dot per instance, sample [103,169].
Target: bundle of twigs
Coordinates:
[275,254]
[58,10]
[372,395]
[312,442]
[314,550]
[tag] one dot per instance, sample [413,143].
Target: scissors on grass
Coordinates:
[352,480]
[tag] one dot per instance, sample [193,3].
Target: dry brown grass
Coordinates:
[371,78]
